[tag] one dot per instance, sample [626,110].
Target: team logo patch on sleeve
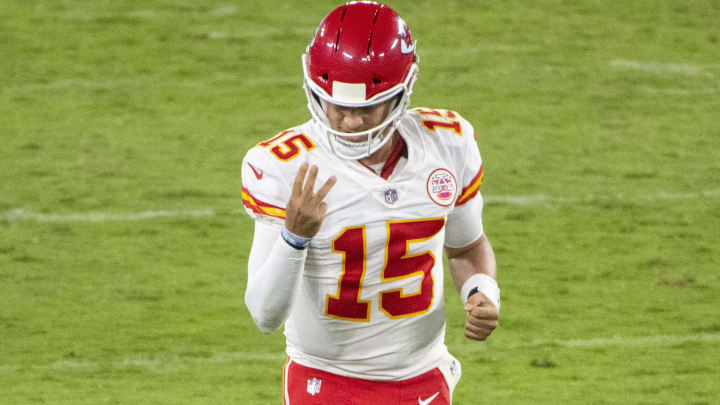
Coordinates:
[442,187]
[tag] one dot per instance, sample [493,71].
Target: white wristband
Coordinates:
[484,284]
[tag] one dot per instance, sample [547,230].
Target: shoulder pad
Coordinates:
[287,145]
[266,179]
[443,122]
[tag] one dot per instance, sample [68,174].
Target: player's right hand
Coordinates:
[306,209]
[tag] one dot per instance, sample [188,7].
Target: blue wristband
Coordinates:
[296,241]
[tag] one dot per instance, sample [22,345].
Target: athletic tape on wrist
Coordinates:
[484,284]
[296,241]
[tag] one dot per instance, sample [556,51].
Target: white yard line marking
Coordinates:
[165,361]
[300,32]
[225,10]
[516,199]
[83,15]
[23,215]
[643,341]
[154,361]
[589,198]
[484,48]
[661,68]
[80,84]
[676,91]
[20,214]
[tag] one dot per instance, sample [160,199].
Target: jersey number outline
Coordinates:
[449,120]
[399,264]
[289,148]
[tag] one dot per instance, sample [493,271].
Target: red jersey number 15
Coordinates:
[399,264]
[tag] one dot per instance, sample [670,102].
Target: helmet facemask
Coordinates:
[373,138]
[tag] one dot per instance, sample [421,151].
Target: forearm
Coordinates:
[274,275]
[467,262]
[477,258]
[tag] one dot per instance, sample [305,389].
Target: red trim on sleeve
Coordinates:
[469,192]
[260,207]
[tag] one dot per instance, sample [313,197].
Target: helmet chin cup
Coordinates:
[355,150]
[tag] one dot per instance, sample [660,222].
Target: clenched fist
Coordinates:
[306,209]
[482,317]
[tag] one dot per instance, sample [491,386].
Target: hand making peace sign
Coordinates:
[306,209]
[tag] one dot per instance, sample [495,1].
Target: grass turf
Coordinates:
[597,122]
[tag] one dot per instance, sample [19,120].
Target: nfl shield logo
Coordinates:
[314,386]
[390,195]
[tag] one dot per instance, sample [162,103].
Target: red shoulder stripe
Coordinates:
[472,189]
[260,207]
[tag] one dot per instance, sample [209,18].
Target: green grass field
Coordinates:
[123,243]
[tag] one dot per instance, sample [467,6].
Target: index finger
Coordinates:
[310,180]
[299,179]
[484,312]
[325,189]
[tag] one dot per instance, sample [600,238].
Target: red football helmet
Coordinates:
[362,54]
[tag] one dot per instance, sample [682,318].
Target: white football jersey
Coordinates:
[371,297]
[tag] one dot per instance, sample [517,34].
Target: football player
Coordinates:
[353,210]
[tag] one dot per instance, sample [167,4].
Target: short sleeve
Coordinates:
[464,225]
[265,189]
[471,169]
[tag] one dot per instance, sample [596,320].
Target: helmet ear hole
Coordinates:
[376,80]
[325,76]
